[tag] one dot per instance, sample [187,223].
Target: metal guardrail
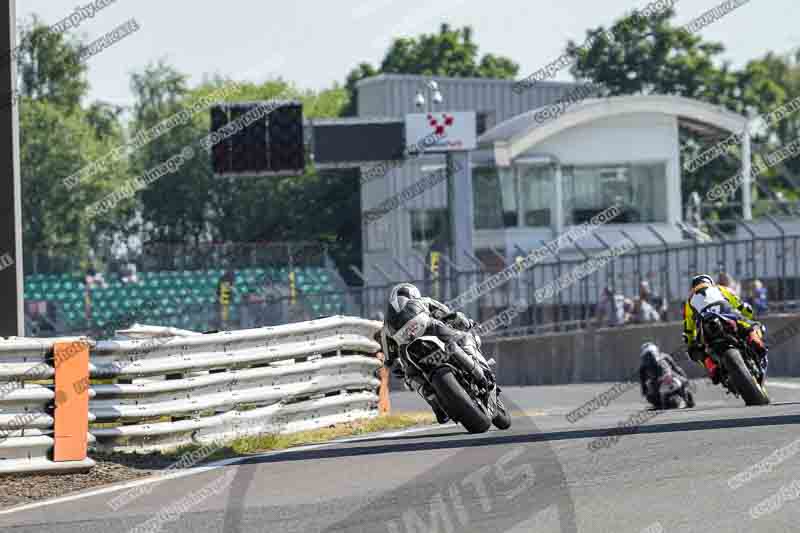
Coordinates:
[175,387]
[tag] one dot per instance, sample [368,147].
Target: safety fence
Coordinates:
[157,388]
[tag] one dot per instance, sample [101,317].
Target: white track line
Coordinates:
[157,478]
[782,385]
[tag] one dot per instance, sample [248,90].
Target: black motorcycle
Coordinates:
[455,383]
[740,370]
[670,391]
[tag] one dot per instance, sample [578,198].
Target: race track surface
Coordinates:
[680,471]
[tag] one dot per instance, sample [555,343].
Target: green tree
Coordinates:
[194,206]
[451,52]
[49,66]
[105,119]
[646,55]
[57,138]
[173,208]
[55,221]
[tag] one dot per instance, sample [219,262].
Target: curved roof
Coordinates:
[518,134]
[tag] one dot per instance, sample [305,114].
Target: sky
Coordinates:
[316,43]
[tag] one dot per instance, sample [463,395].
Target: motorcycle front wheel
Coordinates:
[457,403]
[502,420]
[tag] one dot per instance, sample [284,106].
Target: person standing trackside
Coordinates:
[611,309]
[225,291]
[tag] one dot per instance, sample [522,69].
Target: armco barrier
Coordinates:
[176,387]
[612,354]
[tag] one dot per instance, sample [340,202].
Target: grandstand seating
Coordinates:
[184,299]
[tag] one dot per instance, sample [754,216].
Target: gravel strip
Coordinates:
[19,489]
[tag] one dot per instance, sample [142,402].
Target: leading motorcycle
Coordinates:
[740,369]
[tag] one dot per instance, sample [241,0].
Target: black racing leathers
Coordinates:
[651,370]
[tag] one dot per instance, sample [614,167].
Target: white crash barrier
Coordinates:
[176,387]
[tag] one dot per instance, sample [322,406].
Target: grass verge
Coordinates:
[275,442]
[266,443]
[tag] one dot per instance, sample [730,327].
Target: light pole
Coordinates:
[429,95]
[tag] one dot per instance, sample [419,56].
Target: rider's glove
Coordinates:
[459,320]
[747,309]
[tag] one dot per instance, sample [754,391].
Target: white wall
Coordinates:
[637,137]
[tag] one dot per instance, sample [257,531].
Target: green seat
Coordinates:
[74,316]
[74,296]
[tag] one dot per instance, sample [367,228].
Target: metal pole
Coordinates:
[12,321]
[780,258]
[459,185]
[747,200]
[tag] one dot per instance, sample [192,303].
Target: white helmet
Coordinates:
[649,351]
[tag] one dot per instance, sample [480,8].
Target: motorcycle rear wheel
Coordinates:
[746,385]
[459,405]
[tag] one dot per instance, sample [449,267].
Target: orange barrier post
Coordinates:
[384,404]
[71,361]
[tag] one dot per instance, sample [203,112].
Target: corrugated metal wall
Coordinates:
[393,95]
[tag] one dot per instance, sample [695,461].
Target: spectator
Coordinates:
[650,307]
[758,297]
[129,274]
[94,279]
[225,290]
[629,306]
[611,309]
[726,280]
[645,312]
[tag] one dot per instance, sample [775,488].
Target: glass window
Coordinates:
[495,198]
[639,189]
[537,194]
[485,120]
[429,226]
[650,191]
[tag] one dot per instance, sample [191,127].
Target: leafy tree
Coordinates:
[50,67]
[55,221]
[645,55]
[105,119]
[192,205]
[57,138]
[448,53]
